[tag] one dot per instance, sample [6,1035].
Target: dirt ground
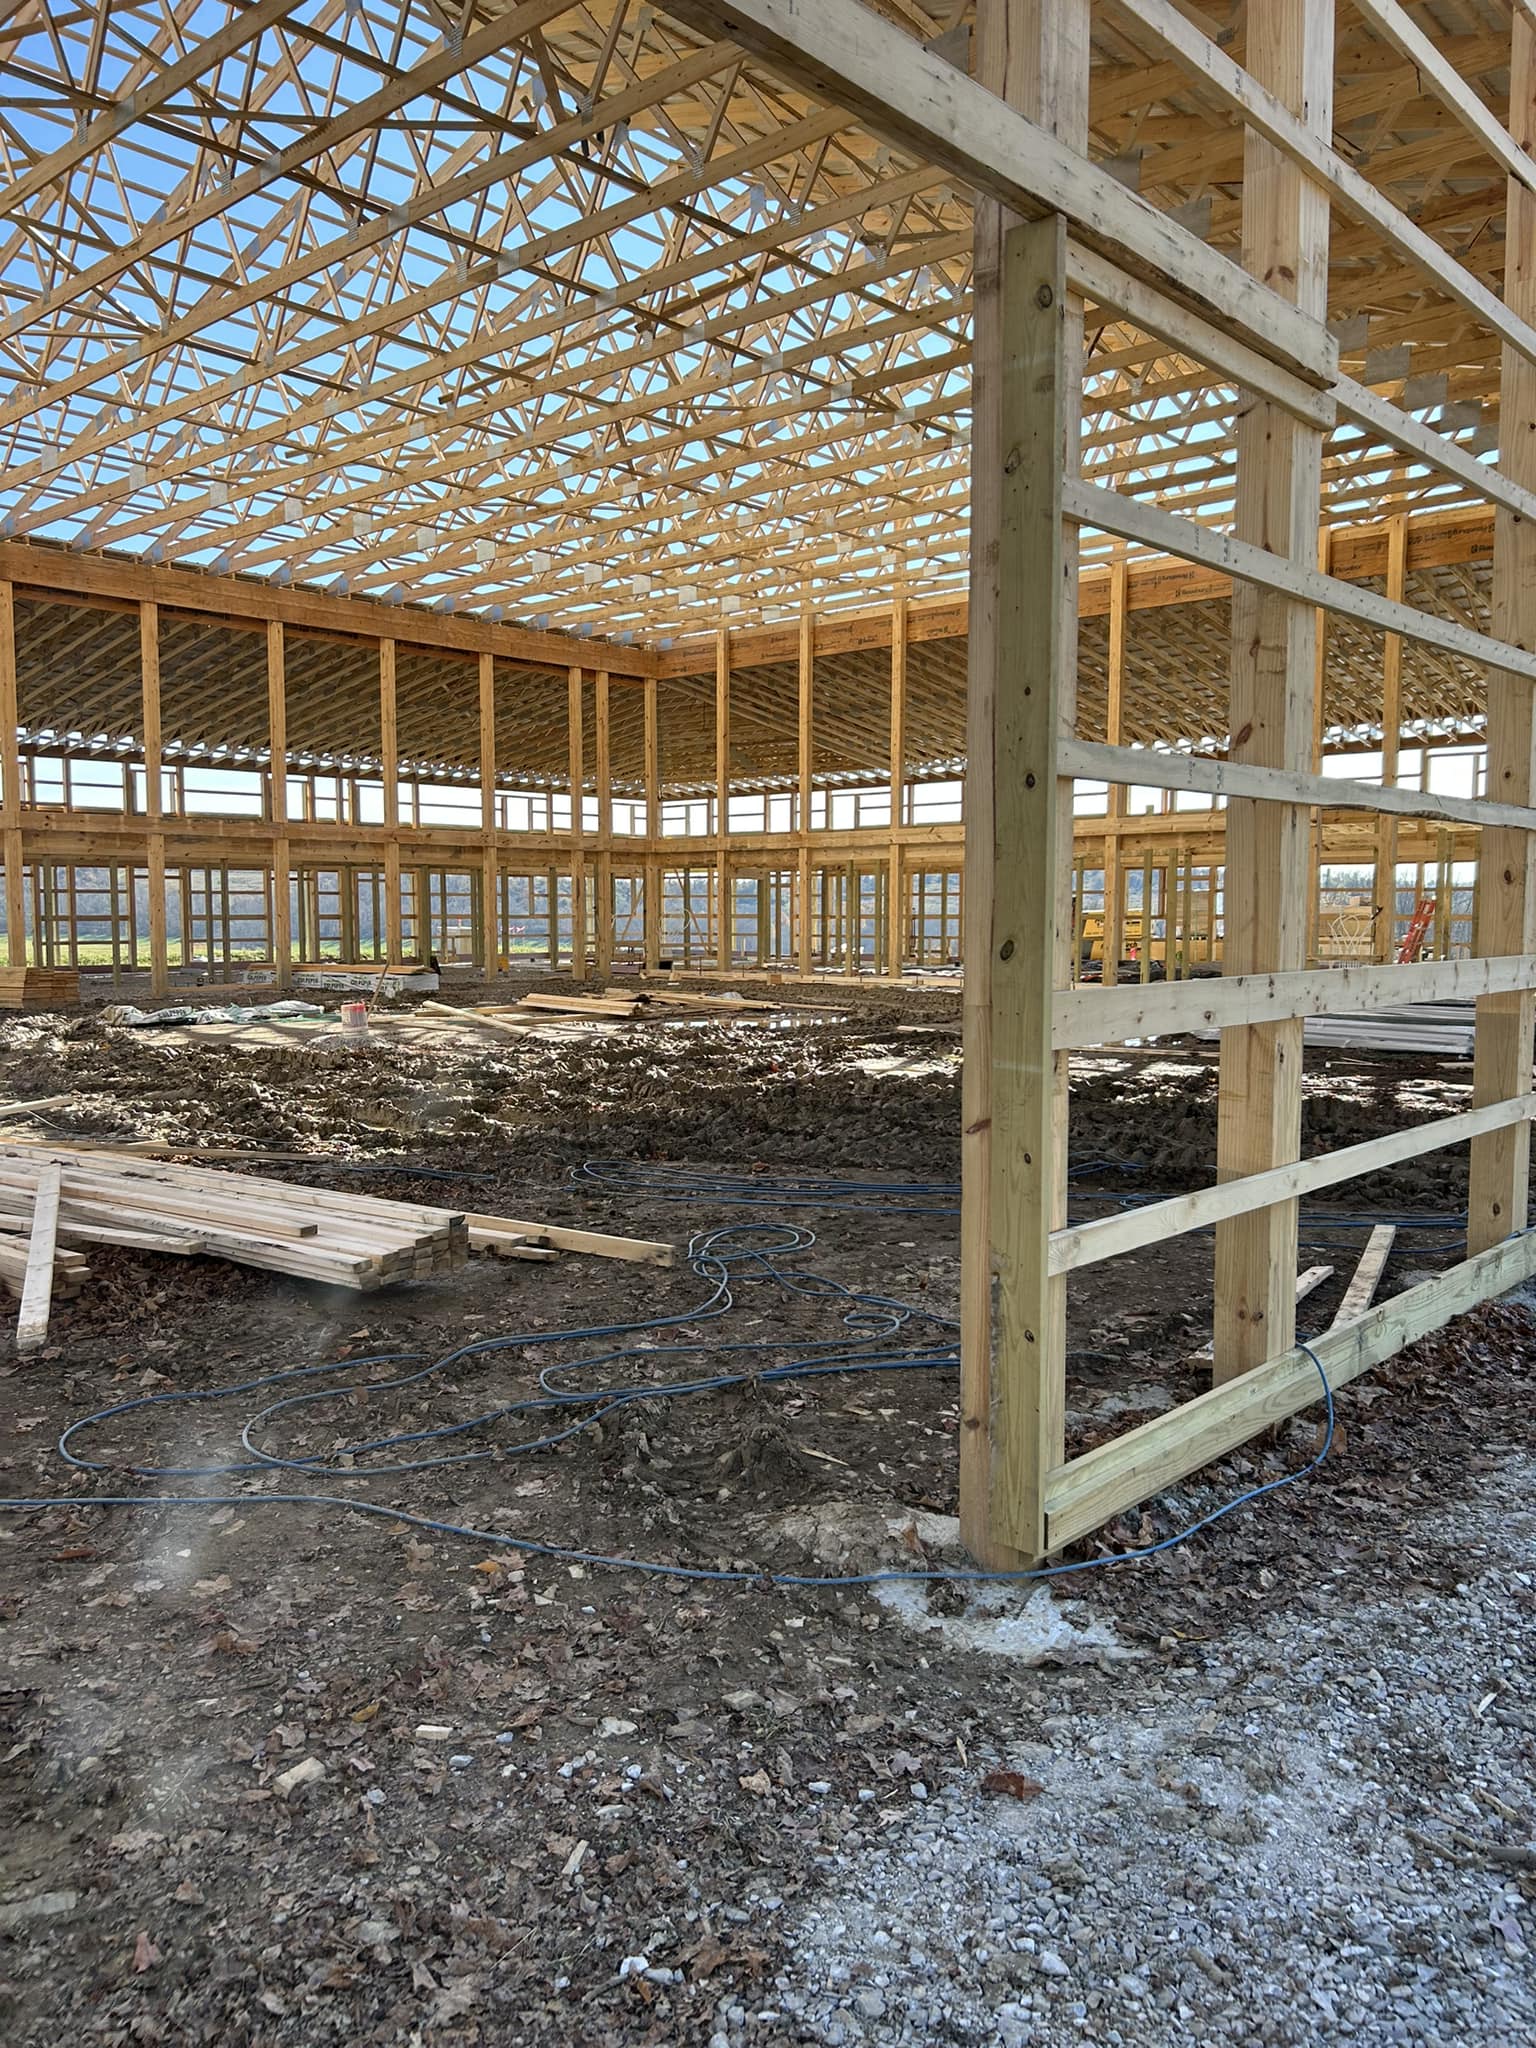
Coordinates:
[279,1773]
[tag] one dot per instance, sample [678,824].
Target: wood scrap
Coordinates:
[497,1233]
[1361,1291]
[37,1281]
[1306,1283]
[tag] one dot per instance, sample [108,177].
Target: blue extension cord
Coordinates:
[742,1254]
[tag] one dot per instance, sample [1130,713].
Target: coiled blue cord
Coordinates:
[726,1259]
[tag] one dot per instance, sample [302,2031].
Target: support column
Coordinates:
[578,829]
[1499,1192]
[1018,822]
[10,787]
[277,804]
[803,820]
[1118,800]
[603,878]
[389,753]
[1384,892]
[655,860]
[490,878]
[149,672]
[895,901]
[1279,476]
[722,800]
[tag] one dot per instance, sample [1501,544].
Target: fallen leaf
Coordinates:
[1010,1785]
[758,1782]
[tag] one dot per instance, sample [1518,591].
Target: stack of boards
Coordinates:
[614,1005]
[39,988]
[54,1199]
[345,1239]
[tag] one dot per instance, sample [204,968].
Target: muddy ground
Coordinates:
[539,1801]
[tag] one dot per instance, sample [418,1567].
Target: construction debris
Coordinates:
[208,1013]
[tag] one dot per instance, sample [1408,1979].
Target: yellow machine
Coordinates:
[1194,952]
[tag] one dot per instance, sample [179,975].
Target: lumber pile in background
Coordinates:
[1448,1028]
[613,1006]
[39,988]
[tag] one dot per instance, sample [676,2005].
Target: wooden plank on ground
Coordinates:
[37,1286]
[1361,1290]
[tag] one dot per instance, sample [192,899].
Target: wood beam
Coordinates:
[490,876]
[803,736]
[277,805]
[36,567]
[10,787]
[722,800]
[1021,697]
[577,771]
[389,757]
[1498,1201]
[1279,478]
[895,900]
[603,859]
[1384,887]
[653,864]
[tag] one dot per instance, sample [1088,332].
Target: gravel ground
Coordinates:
[1301,1838]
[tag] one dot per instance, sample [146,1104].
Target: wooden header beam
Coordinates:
[31,568]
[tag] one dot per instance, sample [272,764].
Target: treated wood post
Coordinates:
[277,805]
[389,755]
[1499,1191]
[149,673]
[603,877]
[653,865]
[723,905]
[1114,733]
[1022,673]
[803,738]
[1279,479]
[895,904]
[10,786]
[490,877]
[578,828]
[1384,891]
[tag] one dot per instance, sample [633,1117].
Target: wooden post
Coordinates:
[803,735]
[1384,892]
[1319,716]
[895,903]
[10,786]
[1027,357]
[149,672]
[603,864]
[723,904]
[578,829]
[653,866]
[389,756]
[1279,480]
[277,804]
[1119,796]
[490,874]
[1499,1190]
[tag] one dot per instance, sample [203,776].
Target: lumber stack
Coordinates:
[614,1005]
[39,988]
[338,1237]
